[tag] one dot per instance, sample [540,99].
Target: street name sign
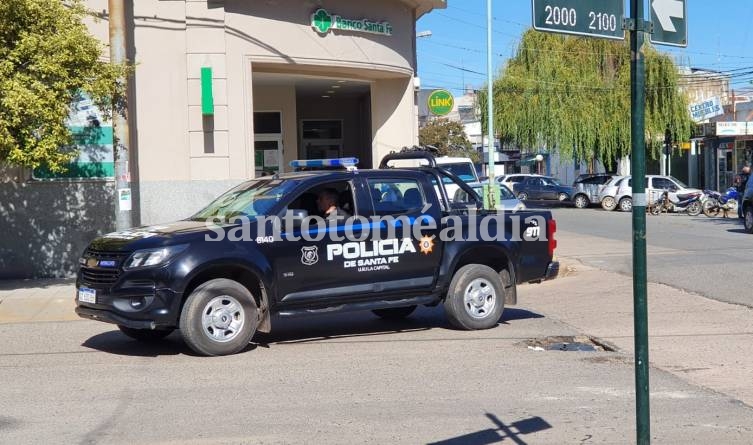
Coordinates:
[670,20]
[594,18]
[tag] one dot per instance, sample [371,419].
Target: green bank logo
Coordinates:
[322,21]
[441,102]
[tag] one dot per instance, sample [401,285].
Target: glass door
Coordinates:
[321,139]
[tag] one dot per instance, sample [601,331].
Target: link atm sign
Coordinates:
[595,18]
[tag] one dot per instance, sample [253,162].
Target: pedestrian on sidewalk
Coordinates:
[742,181]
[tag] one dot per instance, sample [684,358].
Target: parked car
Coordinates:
[510,180]
[508,201]
[586,188]
[542,188]
[621,194]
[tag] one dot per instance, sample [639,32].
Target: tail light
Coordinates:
[551,229]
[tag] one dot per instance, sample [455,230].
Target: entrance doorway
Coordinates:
[267,142]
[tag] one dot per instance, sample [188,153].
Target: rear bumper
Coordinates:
[552,270]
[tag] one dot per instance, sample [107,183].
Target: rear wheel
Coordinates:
[522,196]
[394,313]
[608,203]
[581,202]
[626,204]
[145,335]
[476,298]
[562,197]
[711,207]
[219,318]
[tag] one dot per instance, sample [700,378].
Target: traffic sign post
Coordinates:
[594,18]
[670,22]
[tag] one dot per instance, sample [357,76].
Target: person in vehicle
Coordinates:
[327,202]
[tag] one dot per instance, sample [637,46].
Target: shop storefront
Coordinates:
[725,149]
[234,89]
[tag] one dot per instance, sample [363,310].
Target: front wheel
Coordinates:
[219,318]
[145,335]
[626,204]
[694,209]
[394,313]
[581,202]
[608,203]
[476,298]
[748,219]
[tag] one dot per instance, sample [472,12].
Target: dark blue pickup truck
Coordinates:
[258,251]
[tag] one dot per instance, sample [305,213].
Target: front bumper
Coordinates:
[158,308]
[552,270]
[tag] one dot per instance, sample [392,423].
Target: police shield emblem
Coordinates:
[309,255]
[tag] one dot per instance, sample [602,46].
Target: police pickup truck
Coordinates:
[263,249]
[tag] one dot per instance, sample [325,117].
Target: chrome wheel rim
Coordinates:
[223,318]
[480,299]
[626,205]
[580,201]
[608,202]
[749,219]
[562,197]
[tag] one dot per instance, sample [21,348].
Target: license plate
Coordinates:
[86,295]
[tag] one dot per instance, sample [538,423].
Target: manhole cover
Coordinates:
[568,343]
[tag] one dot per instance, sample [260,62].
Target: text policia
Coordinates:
[472,227]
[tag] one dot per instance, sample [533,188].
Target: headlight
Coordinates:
[153,257]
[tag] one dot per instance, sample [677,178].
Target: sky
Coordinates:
[720,37]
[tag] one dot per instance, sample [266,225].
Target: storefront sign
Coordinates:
[732,128]
[706,109]
[322,21]
[441,102]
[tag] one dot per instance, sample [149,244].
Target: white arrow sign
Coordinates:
[665,10]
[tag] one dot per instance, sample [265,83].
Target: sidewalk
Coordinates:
[702,341]
[37,300]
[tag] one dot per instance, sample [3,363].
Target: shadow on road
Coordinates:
[502,431]
[299,330]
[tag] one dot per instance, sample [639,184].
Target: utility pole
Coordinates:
[492,189]
[121,145]
[638,164]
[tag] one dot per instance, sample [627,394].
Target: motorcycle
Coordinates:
[688,203]
[717,202]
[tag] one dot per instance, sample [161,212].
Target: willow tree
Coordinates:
[572,95]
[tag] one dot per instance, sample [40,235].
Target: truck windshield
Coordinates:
[253,198]
[462,170]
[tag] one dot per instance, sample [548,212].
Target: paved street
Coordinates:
[708,256]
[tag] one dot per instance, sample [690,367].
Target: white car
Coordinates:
[508,201]
[619,191]
[510,180]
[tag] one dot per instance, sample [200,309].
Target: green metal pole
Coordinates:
[491,192]
[638,167]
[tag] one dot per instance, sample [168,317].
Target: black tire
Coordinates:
[217,296]
[455,302]
[748,221]
[694,209]
[523,196]
[581,201]
[626,204]
[511,290]
[608,203]
[394,313]
[711,207]
[146,335]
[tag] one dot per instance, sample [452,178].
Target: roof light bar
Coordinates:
[349,163]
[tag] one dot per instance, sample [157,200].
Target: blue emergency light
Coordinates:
[348,163]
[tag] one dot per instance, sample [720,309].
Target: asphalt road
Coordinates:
[347,379]
[708,256]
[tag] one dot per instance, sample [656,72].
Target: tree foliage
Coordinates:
[573,95]
[449,137]
[47,57]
